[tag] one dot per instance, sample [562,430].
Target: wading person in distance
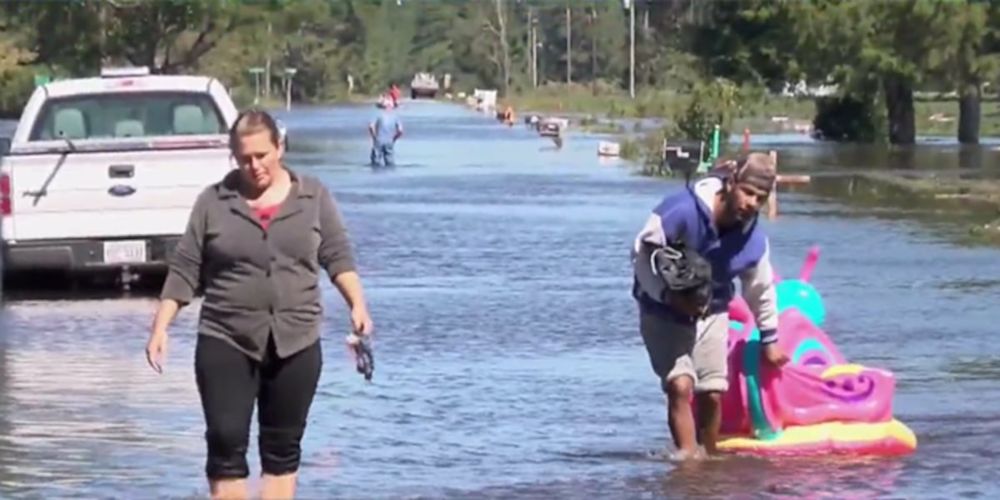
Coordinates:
[256,245]
[385,129]
[686,341]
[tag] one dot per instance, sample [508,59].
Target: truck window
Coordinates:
[108,116]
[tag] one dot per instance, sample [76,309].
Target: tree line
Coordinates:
[879,55]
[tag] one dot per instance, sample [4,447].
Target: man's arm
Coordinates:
[759,292]
[661,227]
[399,131]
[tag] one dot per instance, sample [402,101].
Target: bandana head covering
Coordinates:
[756,169]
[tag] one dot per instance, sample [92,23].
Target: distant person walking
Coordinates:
[255,245]
[394,94]
[384,130]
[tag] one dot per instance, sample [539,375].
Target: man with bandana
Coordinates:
[717,217]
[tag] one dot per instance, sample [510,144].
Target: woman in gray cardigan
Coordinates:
[255,246]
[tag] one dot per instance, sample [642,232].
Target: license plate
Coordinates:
[124,252]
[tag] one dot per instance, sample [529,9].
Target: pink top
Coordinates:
[265,214]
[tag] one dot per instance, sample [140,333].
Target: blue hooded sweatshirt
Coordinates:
[740,252]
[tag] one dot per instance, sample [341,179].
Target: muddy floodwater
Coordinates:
[508,363]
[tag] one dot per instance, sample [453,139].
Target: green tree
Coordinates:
[434,44]
[607,39]
[16,79]
[970,57]
[746,41]
[856,43]
[167,36]
[64,34]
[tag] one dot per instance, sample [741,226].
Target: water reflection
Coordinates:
[733,477]
[977,369]
[8,454]
[800,155]
[974,157]
[950,216]
[80,394]
[832,477]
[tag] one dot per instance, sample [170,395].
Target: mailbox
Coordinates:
[682,157]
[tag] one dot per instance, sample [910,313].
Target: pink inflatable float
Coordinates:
[818,402]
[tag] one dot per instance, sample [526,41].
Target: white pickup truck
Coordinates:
[101,173]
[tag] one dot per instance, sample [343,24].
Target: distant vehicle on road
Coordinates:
[424,85]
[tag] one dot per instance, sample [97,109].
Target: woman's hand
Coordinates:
[156,346]
[349,285]
[361,321]
[358,340]
[156,350]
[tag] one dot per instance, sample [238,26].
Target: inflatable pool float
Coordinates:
[819,402]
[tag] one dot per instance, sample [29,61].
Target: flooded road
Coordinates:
[508,362]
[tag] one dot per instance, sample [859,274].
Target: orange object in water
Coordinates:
[508,115]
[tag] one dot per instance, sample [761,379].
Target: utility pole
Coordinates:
[289,75]
[593,47]
[504,46]
[533,42]
[630,5]
[102,22]
[569,45]
[527,42]
[256,72]
[267,64]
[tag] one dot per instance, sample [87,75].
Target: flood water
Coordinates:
[508,362]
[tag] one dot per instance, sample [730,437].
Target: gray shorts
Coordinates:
[698,351]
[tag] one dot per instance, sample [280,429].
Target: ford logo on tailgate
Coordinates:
[121,190]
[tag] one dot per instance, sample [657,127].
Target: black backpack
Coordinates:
[684,272]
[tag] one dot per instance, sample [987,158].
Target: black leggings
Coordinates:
[229,382]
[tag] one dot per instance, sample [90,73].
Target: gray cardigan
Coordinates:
[259,282]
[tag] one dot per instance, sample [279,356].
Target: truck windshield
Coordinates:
[108,116]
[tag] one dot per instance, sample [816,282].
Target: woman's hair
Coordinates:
[250,122]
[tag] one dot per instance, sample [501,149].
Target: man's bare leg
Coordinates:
[680,416]
[280,487]
[709,419]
